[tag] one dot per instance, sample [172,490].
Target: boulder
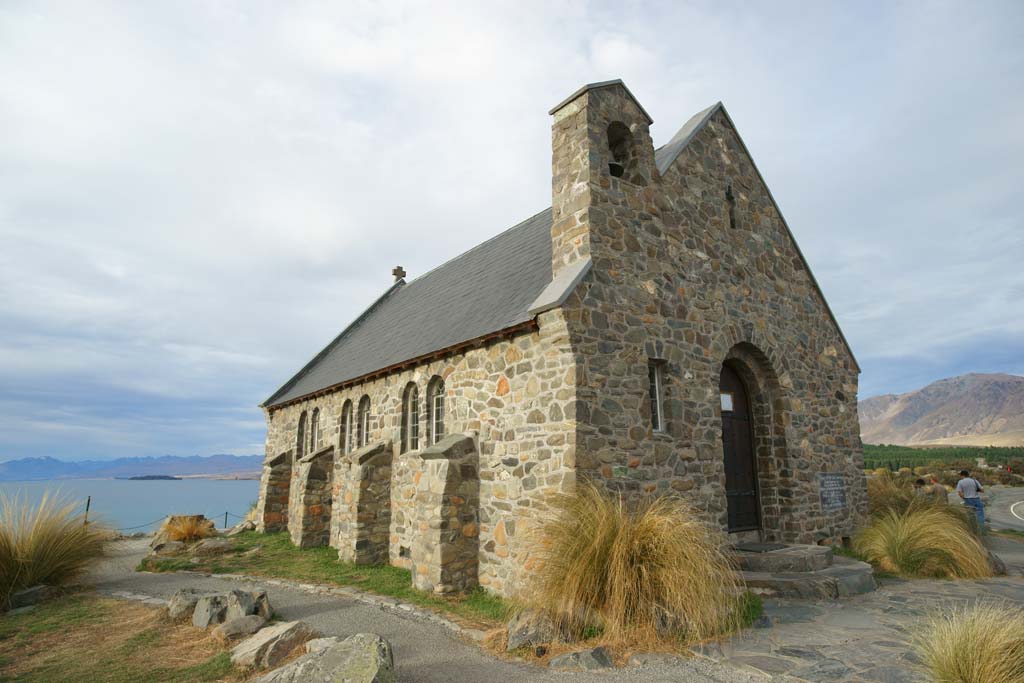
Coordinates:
[271,644]
[210,610]
[213,546]
[998,566]
[168,548]
[529,628]
[244,525]
[32,596]
[362,658]
[239,627]
[584,660]
[318,644]
[183,603]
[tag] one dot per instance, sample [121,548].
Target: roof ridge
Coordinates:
[478,246]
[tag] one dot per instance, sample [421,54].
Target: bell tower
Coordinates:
[602,158]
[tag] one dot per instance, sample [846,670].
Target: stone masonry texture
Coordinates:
[693,268]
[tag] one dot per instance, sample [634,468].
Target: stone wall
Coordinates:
[310,498]
[445,550]
[361,526]
[517,395]
[684,274]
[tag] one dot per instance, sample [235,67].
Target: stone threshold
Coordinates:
[393,605]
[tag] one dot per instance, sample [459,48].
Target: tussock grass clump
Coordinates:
[187,528]
[887,492]
[981,644]
[47,544]
[655,573]
[926,541]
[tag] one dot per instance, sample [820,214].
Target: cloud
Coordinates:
[195,197]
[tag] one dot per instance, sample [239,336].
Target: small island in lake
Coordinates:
[153,477]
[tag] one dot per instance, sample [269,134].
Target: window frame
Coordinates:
[656,394]
[346,427]
[436,410]
[300,436]
[314,430]
[410,418]
[363,420]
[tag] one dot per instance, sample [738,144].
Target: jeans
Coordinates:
[979,509]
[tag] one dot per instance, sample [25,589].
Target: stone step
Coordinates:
[844,578]
[790,558]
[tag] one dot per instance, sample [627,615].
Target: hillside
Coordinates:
[969,410]
[29,469]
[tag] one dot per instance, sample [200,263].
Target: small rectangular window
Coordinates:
[656,379]
[726,403]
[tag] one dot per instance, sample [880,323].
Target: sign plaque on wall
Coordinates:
[832,491]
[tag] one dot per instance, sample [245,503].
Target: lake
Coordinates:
[123,504]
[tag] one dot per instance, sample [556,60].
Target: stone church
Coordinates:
[657,331]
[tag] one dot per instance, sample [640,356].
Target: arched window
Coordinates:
[347,435]
[300,437]
[620,143]
[410,418]
[314,431]
[363,422]
[435,410]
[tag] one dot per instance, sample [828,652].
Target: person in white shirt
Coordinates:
[969,489]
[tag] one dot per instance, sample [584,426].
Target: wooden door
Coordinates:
[738,447]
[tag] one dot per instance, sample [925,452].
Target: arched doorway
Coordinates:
[741,485]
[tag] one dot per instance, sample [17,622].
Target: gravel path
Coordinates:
[424,651]
[857,640]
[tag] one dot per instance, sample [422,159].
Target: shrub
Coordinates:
[656,573]
[187,528]
[925,540]
[49,543]
[983,644]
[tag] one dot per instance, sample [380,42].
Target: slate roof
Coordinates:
[487,289]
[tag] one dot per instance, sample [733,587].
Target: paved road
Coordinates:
[423,651]
[1005,509]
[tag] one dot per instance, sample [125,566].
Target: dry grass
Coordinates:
[48,544]
[888,492]
[983,644]
[925,541]
[84,638]
[626,572]
[187,528]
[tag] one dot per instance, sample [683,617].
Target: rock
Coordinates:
[530,627]
[183,603]
[362,658]
[318,644]
[32,596]
[213,546]
[271,644]
[210,610]
[168,548]
[244,525]
[998,566]
[584,660]
[239,627]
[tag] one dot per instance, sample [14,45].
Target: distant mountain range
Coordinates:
[28,469]
[969,410]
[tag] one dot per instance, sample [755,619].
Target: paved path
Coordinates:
[1005,507]
[857,640]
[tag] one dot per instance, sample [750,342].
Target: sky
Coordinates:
[195,197]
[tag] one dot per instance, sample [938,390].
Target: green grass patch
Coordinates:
[274,555]
[1010,533]
[751,608]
